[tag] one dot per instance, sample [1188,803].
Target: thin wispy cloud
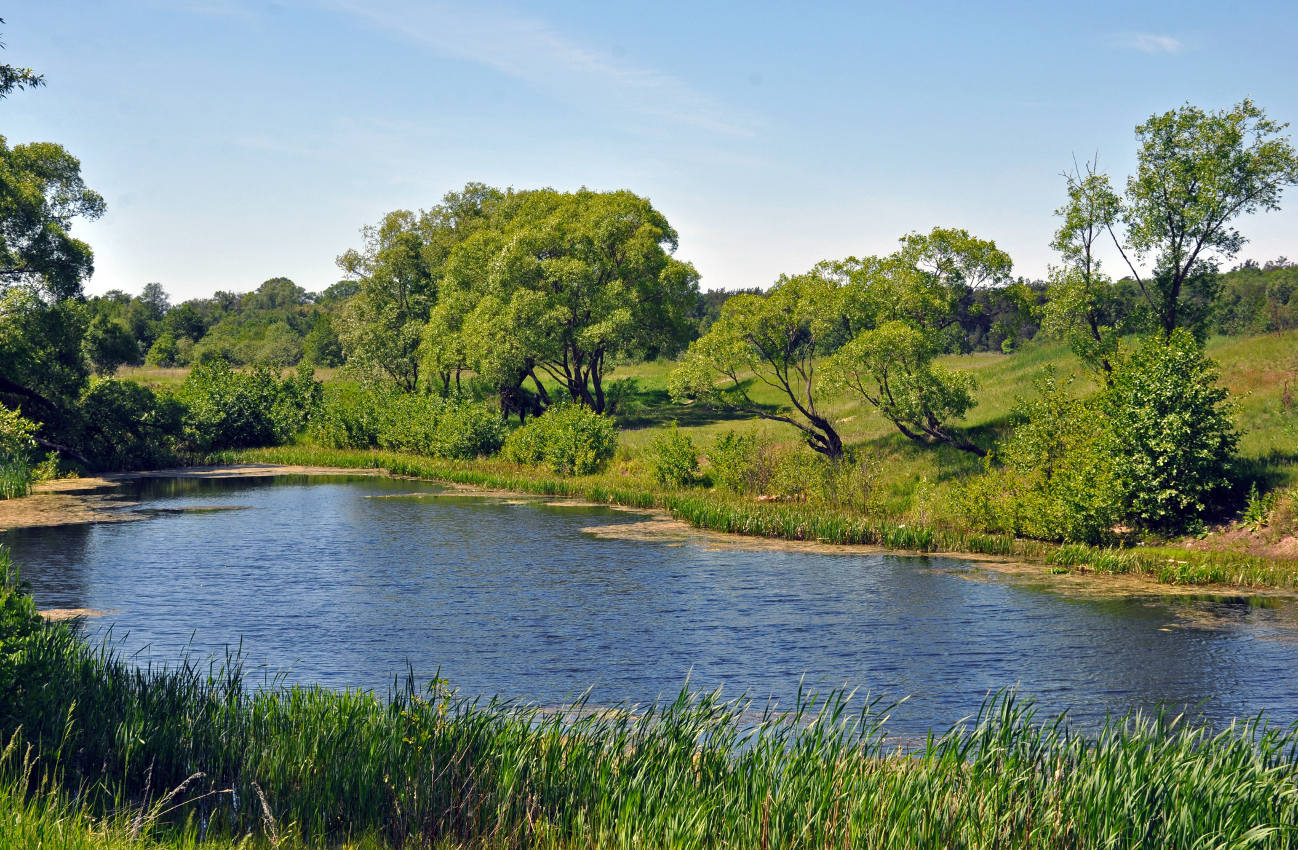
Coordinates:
[531,51]
[1149,42]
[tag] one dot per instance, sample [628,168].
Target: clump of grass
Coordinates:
[15,479]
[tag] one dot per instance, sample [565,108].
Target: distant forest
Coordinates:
[281,324]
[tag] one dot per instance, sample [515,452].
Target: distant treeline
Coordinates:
[281,324]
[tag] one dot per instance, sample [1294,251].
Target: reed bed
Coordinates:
[798,521]
[189,754]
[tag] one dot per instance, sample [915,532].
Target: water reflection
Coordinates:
[337,582]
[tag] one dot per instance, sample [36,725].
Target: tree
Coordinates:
[1197,172]
[108,344]
[902,313]
[41,191]
[16,79]
[772,340]
[398,274]
[560,283]
[1082,305]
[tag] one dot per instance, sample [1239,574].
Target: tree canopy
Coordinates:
[559,284]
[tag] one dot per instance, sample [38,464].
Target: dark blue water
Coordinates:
[343,582]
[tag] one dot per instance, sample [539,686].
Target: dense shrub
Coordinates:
[467,429]
[1052,478]
[672,457]
[348,418]
[360,417]
[732,460]
[165,351]
[229,409]
[1150,451]
[129,426]
[1171,430]
[570,439]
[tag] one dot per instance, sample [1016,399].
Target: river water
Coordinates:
[351,582]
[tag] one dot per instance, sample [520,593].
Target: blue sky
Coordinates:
[237,140]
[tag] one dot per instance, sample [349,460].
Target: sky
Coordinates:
[239,140]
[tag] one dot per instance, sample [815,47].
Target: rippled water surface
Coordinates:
[350,581]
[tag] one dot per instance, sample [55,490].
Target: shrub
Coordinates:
[129,426]
[1052,478]
[407,422]
[359,417]
[229,409]
[165,351]
[570,439]
[732,457]
[1171,433]
[348,418]
[672,457]
[467,429]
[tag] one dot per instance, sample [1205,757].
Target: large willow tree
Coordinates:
[558,284]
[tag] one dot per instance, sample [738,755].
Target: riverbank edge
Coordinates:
[1162,565]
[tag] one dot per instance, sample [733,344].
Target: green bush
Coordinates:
[230,409]
[165,351]
[18,622]
[359,417]
[672,457]
[1052,478]
[1171,432]
[467,429]
[349,418]
[732,456]
[569,439]
[129,426]
[1150,452]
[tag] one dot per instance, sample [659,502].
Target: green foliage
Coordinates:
[358,417]
[1053,477]
[349,418]
[398,274]
[43,193]
[1172,432]
[109,344]
[129,426]
[733,457]
[1150,451]
[672,457]
[17,451]
[774,339]
[19,621]
[468,429]
[164,351]
[561,283]
[1258,508]
[42,366]
[227,409]
[902,313]
[569,439]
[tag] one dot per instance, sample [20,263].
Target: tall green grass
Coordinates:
[15,479]
[176,755]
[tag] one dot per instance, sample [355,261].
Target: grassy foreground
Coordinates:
[716,511]
[101,754]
